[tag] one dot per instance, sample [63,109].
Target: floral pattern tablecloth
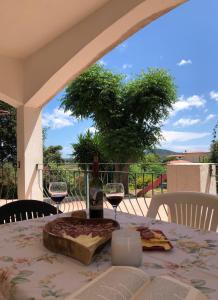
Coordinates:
[32,272]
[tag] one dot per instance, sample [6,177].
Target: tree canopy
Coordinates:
[128,115]
[52,154]
[88,146]
[8,146]
[151,163]
[214,146]
[8,143]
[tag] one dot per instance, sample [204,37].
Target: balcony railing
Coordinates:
[139,186]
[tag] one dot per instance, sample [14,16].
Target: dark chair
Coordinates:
[24,210]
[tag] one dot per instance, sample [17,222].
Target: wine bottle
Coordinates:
[96,194]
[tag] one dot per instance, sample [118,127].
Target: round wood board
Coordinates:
[62,245]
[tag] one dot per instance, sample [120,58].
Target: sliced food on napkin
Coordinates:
[153,239]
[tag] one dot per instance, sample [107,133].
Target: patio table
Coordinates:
[36,273]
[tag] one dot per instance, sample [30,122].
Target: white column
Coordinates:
[29,153]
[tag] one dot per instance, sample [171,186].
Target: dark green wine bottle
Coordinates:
[96,194]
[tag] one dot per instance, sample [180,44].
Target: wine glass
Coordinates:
[57,191]
[114,193]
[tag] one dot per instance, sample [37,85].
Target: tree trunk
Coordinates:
[122,175]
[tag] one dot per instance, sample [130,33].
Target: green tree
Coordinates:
[214,152]
[8,152]
[151,164]
[128,115]
[52,154]
[8,147]
[87,147]
[8,144]
[214,146]
[44,136]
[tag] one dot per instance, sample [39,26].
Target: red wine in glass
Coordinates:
[114,200]
[57,198]
[114,193]
[57,191]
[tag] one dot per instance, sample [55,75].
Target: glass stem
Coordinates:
[57,204]
[115,212]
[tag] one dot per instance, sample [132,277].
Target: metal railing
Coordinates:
[139,186]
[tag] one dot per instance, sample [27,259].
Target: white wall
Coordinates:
[191,177]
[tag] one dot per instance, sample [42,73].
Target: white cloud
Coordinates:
[189,148]
[91,129]
[188,103]
[58,119]
[126,66]
[184,62]
[210,117]
[214,95]
[182,136]
[186,122]
[102,62]
[66,151]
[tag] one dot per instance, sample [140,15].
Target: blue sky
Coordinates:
[185,43]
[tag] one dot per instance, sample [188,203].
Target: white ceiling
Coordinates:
[46,43]
[28,25]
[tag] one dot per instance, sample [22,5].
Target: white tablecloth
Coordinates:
[36,273]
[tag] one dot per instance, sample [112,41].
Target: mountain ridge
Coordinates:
[163,152]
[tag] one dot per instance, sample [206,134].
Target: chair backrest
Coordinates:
[25,209]
[197,210]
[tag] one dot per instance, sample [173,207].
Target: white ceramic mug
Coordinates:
[126,248]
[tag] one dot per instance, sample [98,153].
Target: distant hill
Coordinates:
[164,152]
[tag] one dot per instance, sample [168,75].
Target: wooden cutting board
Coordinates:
[75,248]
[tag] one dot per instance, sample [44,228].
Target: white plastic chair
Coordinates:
[197,210]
